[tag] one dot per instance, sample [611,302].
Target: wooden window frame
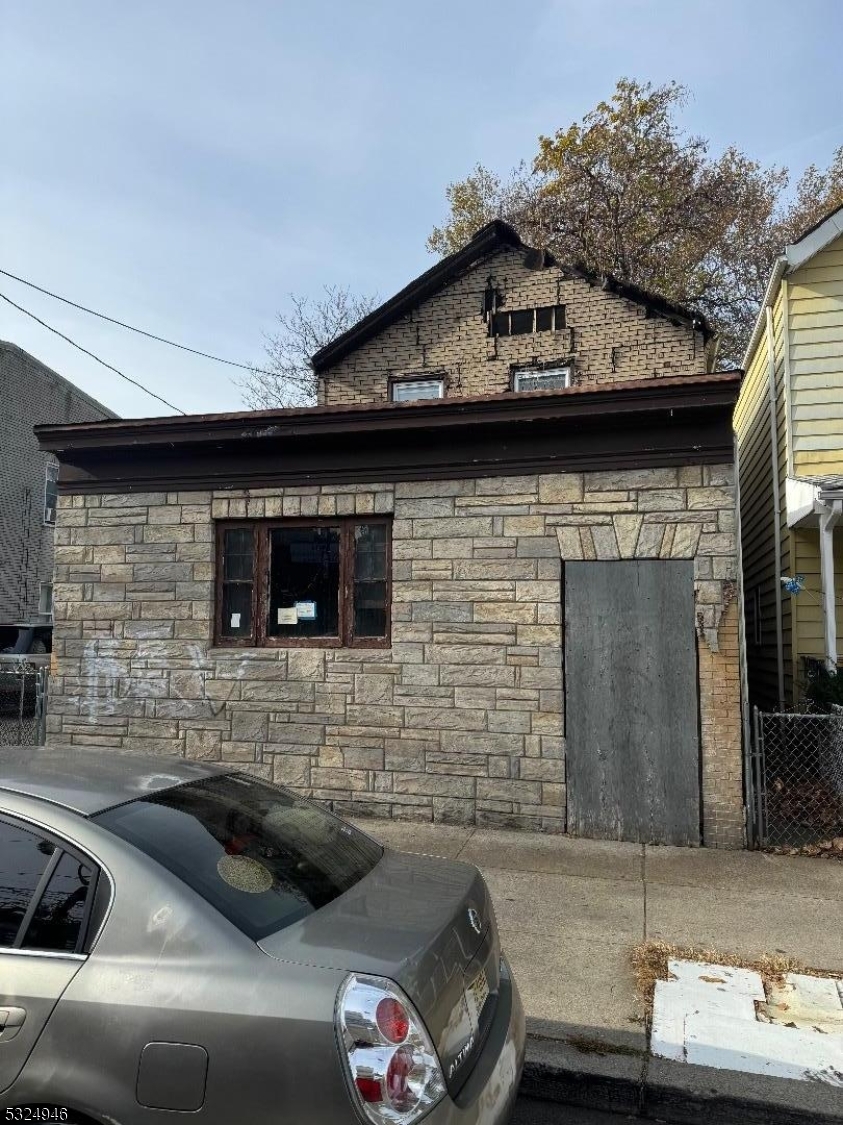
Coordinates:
[261,529]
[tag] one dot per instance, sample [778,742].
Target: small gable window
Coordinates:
[521,322]
[541,379]
[408,390]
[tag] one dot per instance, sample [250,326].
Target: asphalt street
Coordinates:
[530,1112]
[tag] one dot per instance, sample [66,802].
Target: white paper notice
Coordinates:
[288,616]
[235,621]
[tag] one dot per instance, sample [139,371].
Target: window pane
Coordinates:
[544,319]
[416,388]
[238,554]
[237,609]
[370,580]
[258,855]
[304,582]
[238,566]
[521,322]
[560,317]
[51,493]
[60,912]
[500,324]
[23,858]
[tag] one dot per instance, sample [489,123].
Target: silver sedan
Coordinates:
[177,938]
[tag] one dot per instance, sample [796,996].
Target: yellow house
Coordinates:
[789,428]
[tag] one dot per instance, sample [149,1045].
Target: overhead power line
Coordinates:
[132,327]
[79,347]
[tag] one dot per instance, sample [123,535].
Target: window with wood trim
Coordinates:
[318,582]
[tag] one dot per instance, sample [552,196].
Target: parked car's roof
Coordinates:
[88,781]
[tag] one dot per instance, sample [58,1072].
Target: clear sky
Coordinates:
[186,164]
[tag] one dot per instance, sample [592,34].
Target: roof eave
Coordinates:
[495,236]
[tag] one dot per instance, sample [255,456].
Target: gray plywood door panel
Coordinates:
[631,704]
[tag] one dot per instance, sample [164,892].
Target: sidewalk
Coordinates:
[569,912]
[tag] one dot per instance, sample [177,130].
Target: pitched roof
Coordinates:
[795,255]
[490,239]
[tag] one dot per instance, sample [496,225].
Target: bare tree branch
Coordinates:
[286,377]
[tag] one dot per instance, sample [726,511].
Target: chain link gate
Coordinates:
[23,704]
[796,782]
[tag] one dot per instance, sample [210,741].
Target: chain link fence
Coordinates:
[797,778]
[23,704]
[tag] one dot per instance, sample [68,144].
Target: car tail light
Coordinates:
[392,1066]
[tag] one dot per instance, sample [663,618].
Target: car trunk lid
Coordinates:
[428,925]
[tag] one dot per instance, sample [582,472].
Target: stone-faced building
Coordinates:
[31,392]
[491,578]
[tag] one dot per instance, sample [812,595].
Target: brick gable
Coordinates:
[608,337]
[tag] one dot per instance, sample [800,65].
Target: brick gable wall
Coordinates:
[614,339]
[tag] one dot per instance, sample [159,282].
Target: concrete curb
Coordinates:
[635,1084]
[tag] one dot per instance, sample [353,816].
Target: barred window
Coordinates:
[304,582]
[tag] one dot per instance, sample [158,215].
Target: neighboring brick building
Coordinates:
[30,392]
[365,599]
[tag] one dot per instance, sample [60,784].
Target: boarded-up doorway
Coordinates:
[631,702]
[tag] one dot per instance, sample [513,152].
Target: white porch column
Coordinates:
[828,520]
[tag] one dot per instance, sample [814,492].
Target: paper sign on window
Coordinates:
[287,616]
[306,611]
[235,621]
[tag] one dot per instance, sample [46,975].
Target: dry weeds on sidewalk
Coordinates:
[650,963]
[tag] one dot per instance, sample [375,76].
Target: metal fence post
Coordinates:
[758,778]
[41,686]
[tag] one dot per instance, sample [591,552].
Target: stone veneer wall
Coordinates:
[614,340]
[461,720]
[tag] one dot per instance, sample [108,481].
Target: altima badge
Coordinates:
[474,920]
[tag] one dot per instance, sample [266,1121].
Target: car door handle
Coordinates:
[11,1021]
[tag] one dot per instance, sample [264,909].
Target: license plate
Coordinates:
[477,994]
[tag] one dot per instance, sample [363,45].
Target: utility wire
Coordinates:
[116,371]
[132,327]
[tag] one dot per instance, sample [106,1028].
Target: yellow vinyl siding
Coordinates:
[811,635]
[755,459]
[816,363]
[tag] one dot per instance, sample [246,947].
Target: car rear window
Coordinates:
[261,856]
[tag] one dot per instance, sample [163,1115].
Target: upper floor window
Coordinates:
[520,322]
[45,599]
[408,390]
[51,492]
[541,379]
[304,582]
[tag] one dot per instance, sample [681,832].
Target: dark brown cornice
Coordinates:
[649,422]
